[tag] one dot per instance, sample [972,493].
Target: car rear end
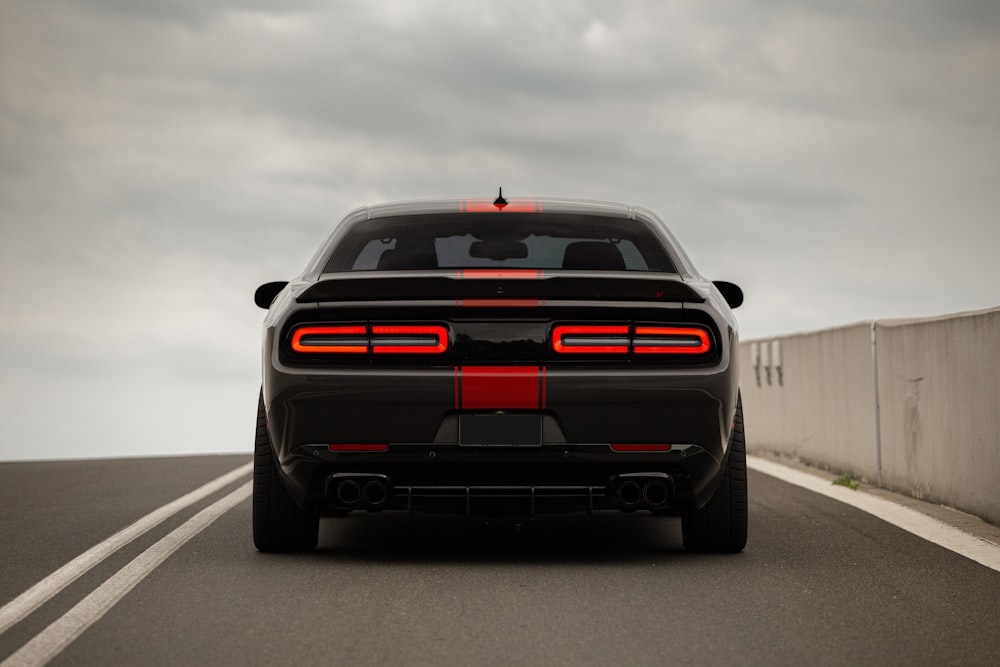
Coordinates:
[427,362]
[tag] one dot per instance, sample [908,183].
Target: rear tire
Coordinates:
[279,525]
[721,525]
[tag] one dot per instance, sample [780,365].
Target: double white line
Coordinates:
[51,641]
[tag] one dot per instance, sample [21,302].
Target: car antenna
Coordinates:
[500,202]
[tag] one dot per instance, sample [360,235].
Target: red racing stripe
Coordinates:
[500,387]
[500,303]
[544,388]
[512,206]
[501,273]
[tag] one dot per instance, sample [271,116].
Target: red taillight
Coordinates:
[409,339]
[640,448]
[622,339]
[356,447]
[380,339]
[670,340]
[327,340]
[571,339]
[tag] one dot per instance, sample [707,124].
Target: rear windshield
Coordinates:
[491,240]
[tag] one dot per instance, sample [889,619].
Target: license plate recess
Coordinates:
[500,430]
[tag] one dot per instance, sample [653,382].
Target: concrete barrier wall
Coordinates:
[934,430]
[819,403]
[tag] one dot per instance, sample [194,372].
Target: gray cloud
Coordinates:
[158,160]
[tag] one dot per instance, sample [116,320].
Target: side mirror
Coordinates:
[730,292]
[266,293]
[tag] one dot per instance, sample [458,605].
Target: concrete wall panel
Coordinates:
[939,383]
[819,405]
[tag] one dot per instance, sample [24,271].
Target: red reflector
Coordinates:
[409,339]
[324,340]
[590,339]
[640,448]
[670,340]
[365,447]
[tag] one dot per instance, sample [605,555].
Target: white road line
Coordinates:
[52,640]
[908,519]
[30,600]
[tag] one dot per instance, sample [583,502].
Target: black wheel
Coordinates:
[278,523]
[721,525]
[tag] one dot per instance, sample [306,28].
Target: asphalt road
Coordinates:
[820,583]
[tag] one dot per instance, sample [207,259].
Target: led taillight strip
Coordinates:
[670,340]
[615,339]
[383,339]
[331,340]
[409,339]
[569,339]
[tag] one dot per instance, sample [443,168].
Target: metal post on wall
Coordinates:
[878,412]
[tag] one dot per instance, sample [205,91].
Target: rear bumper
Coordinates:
[377,492]
[414,413]
[508,481]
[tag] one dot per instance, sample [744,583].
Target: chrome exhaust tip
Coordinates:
[348,492]
[655,494]
[629,493]
[374,493]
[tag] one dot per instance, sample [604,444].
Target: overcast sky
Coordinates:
[159,160]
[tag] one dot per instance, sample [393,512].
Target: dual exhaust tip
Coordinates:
[360,492]
[643,492]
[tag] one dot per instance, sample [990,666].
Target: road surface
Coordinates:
[820,583]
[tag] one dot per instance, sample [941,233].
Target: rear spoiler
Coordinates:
[498,284]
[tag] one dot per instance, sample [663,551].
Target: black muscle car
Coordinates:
[499,357]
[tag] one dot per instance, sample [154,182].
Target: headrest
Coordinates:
[593,255]
[407,259]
